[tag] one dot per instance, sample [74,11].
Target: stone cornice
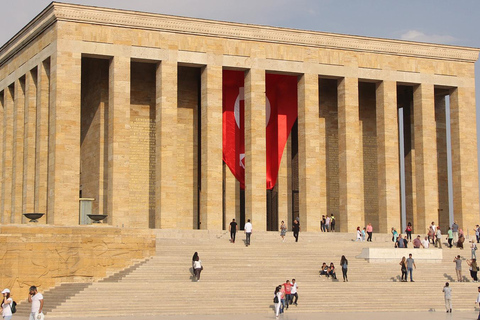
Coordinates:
[27,34]
[210,28]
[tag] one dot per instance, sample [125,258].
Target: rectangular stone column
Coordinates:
[255,150]
[312,204]
[387,156]
[41,141]
[211,148]
[350,173]
[118,198]
[426,187]
[464,155]
[18,142]
[166,144]
[8,98]
[64,138]
[28,204]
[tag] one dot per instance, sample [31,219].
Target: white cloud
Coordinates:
[415,35]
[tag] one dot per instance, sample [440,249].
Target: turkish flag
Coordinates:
[281,114]
[234,123]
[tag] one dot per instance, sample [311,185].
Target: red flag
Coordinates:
[281,114]
[233,123]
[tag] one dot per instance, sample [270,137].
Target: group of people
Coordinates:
[407,265]
[285,294]
[327,224]
[34,297]
[329,270]
[247,229]
[362,233]
[472,266]
[455,236]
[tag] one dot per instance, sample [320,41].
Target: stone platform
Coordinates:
[395,254]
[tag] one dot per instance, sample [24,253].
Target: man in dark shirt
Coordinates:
[233,230]
[296,229]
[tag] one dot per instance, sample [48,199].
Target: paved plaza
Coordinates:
[438,314]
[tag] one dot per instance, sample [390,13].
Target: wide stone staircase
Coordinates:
[240,279]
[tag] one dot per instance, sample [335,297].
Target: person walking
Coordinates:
[447,291]
[408,231]
[332,223]
[403,268]
[455,231]
[322,224]
[282,298]
[344,265]
[327,223]
[458,267]
[36,299]
[369,232]
[288,293]
[450,237]
[461,239]
[277,300]
[294,292]
[473,249]
[248,228]
[233,230]
[431,234]
[296,229]
[438,238]
[394,235]
[410,266]
[359,234]
[283,230]
[197,266]
[194,258]
[472,264]
[7,305]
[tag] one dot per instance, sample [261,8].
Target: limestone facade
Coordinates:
[126,108]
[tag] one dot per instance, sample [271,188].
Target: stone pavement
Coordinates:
[439,314]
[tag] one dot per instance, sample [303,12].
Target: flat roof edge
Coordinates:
[56,11]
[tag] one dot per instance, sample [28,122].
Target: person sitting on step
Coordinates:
[331,271]
[324,270]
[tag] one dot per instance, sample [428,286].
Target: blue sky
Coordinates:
[438,21]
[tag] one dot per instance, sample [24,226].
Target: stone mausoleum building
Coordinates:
[119,113]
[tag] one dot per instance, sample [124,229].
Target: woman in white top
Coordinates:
[197,266]
[277,300]
[7,305]
[359,234]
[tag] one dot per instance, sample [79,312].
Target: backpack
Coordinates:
[13,307]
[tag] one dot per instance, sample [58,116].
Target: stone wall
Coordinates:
[46,256]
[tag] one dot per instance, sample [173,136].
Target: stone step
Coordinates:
[267,263]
